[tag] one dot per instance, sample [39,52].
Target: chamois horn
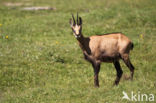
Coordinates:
[73,19]
[77,18]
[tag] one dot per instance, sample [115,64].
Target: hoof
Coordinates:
[96,86]
[128,77]
[116,83]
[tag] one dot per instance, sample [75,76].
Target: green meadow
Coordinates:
[41,62]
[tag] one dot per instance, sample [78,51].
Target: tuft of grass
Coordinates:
[41,62]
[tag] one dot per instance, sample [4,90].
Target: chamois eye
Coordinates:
[73,30]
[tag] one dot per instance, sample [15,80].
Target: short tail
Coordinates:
[132,46]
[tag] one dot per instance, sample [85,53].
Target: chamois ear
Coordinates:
[80,21]
[70,22]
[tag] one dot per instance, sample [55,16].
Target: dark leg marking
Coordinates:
[119,72]
[96,68]
[129,65]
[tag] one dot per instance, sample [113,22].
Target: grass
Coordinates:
[41,62]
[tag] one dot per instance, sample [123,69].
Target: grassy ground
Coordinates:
[40,61]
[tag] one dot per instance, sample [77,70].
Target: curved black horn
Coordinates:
[80,21]
[73,19]
[77,18]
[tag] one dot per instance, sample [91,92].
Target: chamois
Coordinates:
[103,48]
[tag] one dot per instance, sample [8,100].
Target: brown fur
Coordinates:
[104,48]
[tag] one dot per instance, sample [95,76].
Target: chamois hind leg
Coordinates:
[119,72]
[128,63]
[96,67]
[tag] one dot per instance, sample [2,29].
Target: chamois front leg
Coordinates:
[96,67]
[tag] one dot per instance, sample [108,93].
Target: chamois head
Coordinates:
[76,27]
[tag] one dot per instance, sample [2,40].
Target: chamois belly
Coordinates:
[104,57]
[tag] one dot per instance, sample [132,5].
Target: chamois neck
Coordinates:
[81,38]
[84,44]
[81,41]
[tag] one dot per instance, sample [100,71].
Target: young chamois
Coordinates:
[103,48]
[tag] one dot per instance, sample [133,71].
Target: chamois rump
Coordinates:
[103,48]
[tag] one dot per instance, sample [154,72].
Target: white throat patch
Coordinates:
[77,36]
